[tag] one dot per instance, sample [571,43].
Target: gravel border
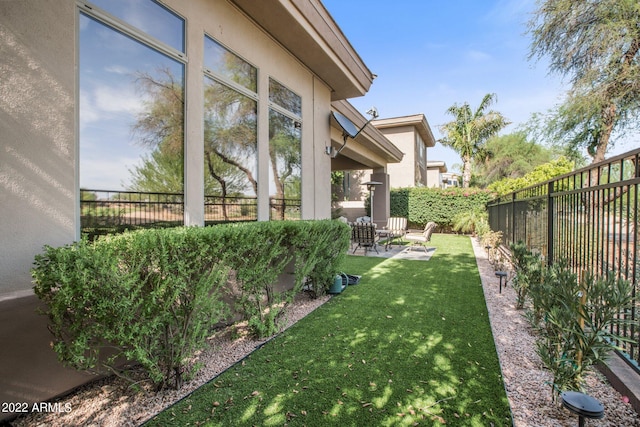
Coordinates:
[110,402]
[525,378]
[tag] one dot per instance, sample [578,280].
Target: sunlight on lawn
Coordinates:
[410,343]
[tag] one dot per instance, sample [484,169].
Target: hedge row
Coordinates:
[153,296]
[421,204]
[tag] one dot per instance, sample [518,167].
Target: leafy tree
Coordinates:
[596,43]
[230,137]
[539,174]
[509,156]
[469,131]
[285,158]
[161,123]
[160,127]
[159,172]
[540,127]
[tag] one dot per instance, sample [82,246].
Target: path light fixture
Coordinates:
[371,186]
[349,130]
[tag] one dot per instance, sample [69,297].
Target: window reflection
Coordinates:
[285,172]
[285,98]
[230,141]
[230,136]
[149,17]
[131,113]
[219,61]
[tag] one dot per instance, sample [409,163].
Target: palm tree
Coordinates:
[469,131]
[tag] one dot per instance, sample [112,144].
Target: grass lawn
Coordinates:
[409,345]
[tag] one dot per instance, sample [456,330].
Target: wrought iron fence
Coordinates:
[284,209]
[589,218]
[218,209]
[105,211]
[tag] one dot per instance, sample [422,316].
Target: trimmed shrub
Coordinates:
[149,296]
[153,296]
[421,205]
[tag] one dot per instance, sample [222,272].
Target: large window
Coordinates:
[230,135]
[131,79]
[285,158]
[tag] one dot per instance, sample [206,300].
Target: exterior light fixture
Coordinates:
[371,186]
[349,130]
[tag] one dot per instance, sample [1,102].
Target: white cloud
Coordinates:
[117,69]
[88,111]
[106,174]
[477,55]
[117,99]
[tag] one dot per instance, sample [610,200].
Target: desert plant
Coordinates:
[152,296]
[528,271]
[576,323]
[470,221]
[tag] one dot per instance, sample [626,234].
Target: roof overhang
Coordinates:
[419,121]
[306,29]
[369,150]
[437,164]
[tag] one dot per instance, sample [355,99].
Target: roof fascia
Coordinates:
[307,30]
[419,121]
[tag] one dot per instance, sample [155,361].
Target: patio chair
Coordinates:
[424,237]
[364,235]
[396,227]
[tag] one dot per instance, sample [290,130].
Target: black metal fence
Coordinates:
[105,211]
[218,209]
[284,209]
[589,218]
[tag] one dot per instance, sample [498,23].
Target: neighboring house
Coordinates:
[450,179]
[412,135]
[238,82]
[435,171]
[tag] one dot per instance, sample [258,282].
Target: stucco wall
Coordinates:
[38,154]
[38,95]
[37,125]
[402,174]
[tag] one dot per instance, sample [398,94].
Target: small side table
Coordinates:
[501,275]
[583,405]
[388,234]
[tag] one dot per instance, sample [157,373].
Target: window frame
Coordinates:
[284,111]
[94,12]
[228,82]
[130,31]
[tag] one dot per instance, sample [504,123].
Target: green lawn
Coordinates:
[409,345]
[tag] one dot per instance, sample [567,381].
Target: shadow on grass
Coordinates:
[409,345]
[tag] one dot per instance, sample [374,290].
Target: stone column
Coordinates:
[381,198]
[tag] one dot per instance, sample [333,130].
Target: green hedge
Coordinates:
[421,205]
[153,296]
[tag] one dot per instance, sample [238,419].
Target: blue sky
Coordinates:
[431,54]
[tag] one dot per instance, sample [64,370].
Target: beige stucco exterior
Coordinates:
[38,127]
[295,42]
[412,135]
[435,170]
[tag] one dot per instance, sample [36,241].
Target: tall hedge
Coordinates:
[153,296]
[421,204]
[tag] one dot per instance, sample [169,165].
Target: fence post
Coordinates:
[550,216]
[513,217]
